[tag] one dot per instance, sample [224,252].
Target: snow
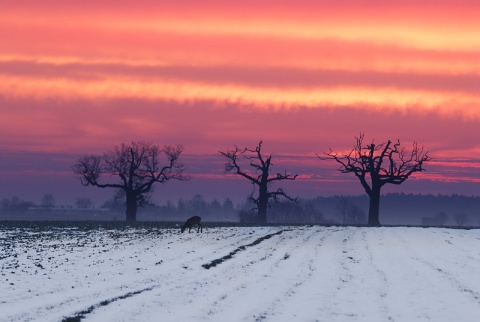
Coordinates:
[308,273]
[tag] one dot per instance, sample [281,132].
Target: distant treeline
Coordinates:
[395,209]
[410,209]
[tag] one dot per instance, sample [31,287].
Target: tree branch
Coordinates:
[232,165]
[371,161]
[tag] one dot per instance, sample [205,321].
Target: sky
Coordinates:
[80,77]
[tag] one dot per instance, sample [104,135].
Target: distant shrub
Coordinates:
[247,216]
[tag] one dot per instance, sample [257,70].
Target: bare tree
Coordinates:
[356,215]
[137,167]
[48,201]
[342,206]
[461,219]
[260,178]
[349,212]
[383,163]
[441,218]
[15,204]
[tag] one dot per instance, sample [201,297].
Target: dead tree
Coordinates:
[136,167]
[382,163]
[259,178]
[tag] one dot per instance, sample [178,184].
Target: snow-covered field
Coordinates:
[240,274]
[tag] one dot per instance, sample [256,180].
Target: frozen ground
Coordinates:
[240,274]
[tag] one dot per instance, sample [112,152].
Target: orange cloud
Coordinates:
[313,54]
[418,25]
[376,98]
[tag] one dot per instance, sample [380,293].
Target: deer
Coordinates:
[193,221]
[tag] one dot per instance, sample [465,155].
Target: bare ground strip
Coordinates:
[218,261]
[81,315]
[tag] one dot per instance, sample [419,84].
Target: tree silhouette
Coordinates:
[461,219]
[48,201]
[260,178]
[383,163]
[136,166]
[84,202]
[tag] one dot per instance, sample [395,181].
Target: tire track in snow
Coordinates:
[285,278]
[346,282]
[275,307]
[443,271]
[49,303]
[78,316]
[220,260]
[382,278]
[197,281]
[194,278]
[217,242]
[290,264]
[45,300]
[453,243]
[460,286]
[352,272]
[430,265]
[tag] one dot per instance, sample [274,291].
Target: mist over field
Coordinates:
[396,209]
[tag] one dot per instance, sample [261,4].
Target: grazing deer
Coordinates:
[193,221]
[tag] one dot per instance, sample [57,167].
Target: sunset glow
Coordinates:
[304,76]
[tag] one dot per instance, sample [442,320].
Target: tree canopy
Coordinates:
[133,169]
[378,164]
[260,177]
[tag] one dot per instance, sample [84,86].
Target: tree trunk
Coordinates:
[262,206]
[131,208]
[374,211]
[262,211]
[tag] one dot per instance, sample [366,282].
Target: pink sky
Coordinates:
[303,76]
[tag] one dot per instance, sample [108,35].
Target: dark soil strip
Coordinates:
[81,315]
[232,253]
